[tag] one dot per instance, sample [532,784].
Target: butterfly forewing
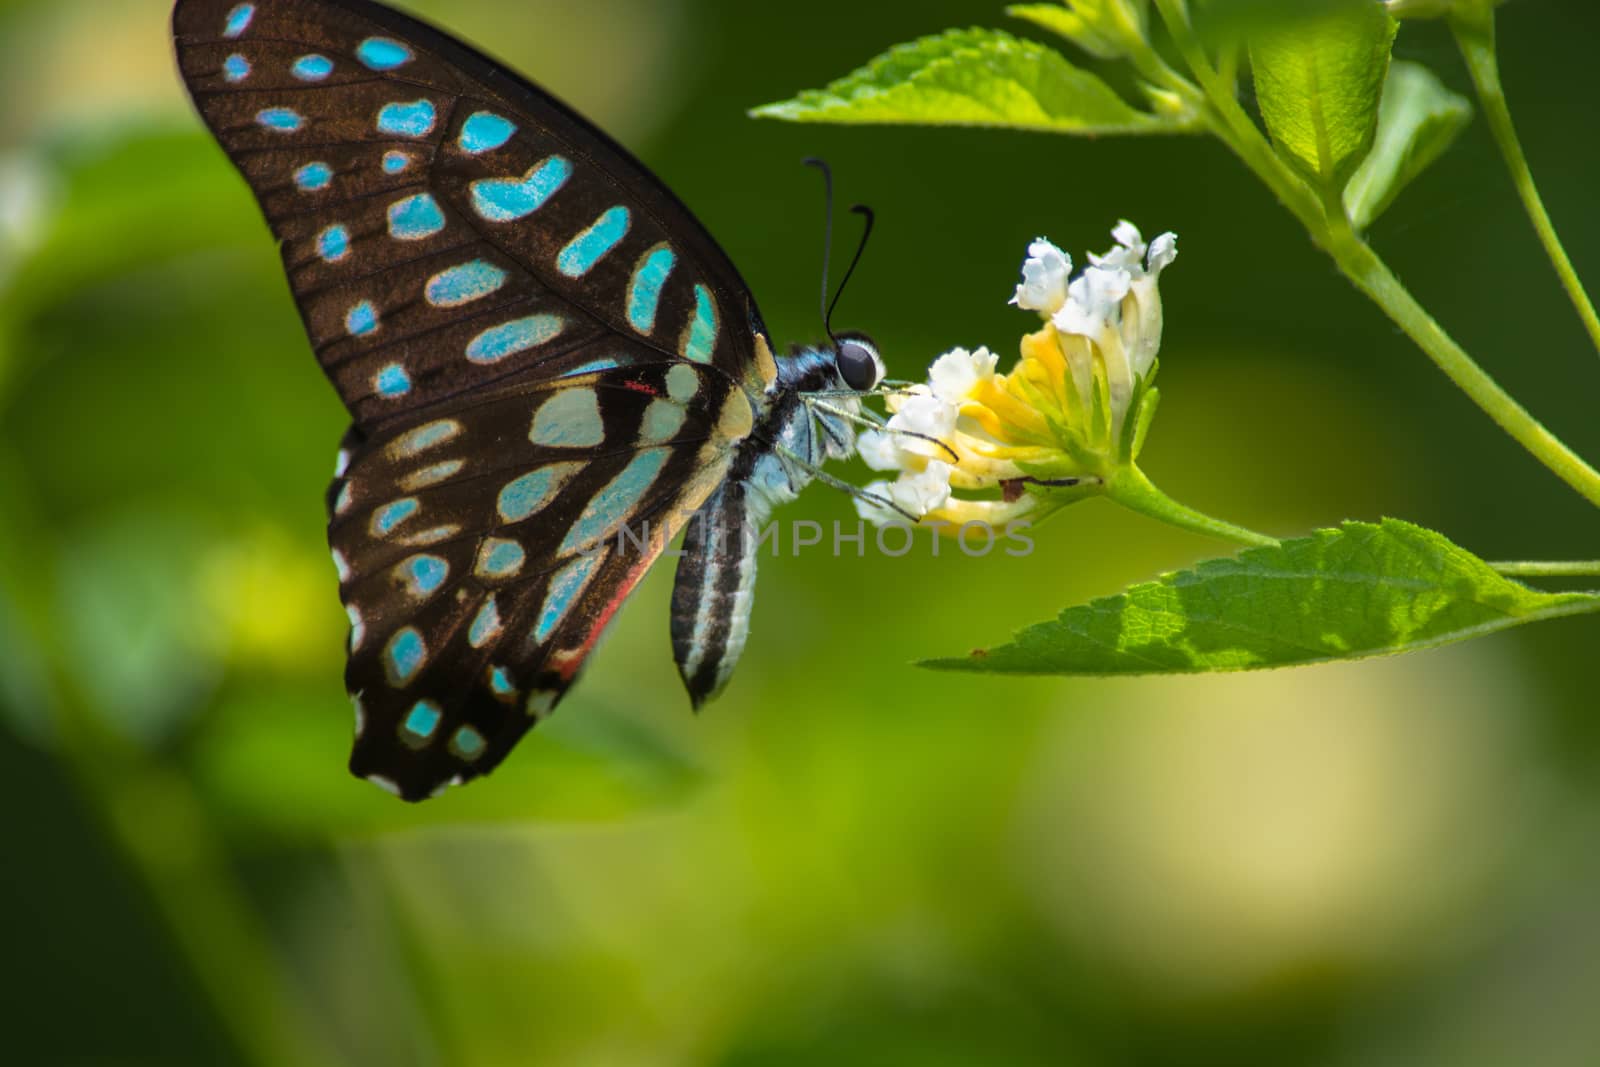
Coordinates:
[446,226]
[538,343]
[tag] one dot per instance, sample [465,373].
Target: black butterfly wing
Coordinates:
[445,225]
[504,299]
[482,553]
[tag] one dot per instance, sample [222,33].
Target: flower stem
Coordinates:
[1129,487]
[1578,568]
[1372,276]
[1476,38]
[1330,228]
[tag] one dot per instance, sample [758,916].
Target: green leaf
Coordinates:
[1361,590]
[1099,27]
[1319,82]
[971,78]
[1418,120]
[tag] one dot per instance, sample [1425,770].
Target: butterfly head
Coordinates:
[858,362]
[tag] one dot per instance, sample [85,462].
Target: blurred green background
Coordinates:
[846,860]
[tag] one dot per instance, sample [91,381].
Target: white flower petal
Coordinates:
[1127,235]
[874,512]
[957,373]
[925,413]
[921,493]
[1163,250]
[878,450]
[1044,278]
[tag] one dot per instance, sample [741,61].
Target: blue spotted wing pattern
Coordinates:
[536,342]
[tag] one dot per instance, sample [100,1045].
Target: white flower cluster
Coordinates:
[918,438]
[961,429]
[1095,299]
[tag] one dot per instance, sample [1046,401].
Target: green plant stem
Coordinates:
[1372,276]
[1578,568]
[1476,37]
[1235,126]
[1324,219]
[1130,488]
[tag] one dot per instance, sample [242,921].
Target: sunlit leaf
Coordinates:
[1361,590]
[1319,83]
[1418,120]
[1083,24]
[971,78]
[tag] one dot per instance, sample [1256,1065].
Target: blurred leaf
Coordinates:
[1089,24]
[971,78]
[1235,20]
[137,630]
[1319,82]
[1361,590]
[1417,121]
[277,761]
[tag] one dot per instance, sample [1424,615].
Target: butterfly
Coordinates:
[549,364]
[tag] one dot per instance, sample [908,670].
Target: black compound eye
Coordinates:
[858,365]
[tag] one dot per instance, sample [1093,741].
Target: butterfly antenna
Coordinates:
[866,235]
[827,231]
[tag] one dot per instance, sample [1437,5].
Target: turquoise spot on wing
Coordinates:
[590,246]
[236,68]
[415,218]
[612,505]
[392,515]
[280,119]
[313,177]
[570,419]
[464,284]
[484,131]
[395,162]
[509,199]
[565,588]
[415,119]
[485,625]
[523,496]
[312,68]
[425,574]
[500,558]
[662,421]
[701,338]
[500,681]
[644,291]
[382,53]
[423,720]
[682,383]
[333,244]
[433,475]
[403,655]
[362,319]
[393,381]
[425,437]
[498,342]
[591,366]
[239,20]
[468,743]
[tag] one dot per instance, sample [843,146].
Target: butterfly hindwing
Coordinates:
[481,554]
[445,225]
